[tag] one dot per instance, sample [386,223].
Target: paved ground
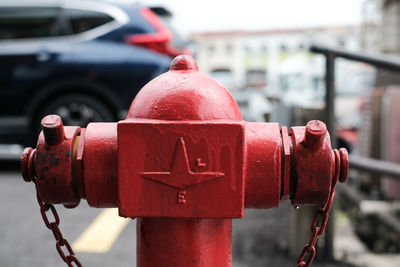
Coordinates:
[259,240]
[348,248]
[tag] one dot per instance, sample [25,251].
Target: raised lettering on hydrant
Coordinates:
[184,163]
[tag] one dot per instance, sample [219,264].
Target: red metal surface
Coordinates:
[53,130]
[263,170]
[184,94]
[191,169]
[184,162]
[287,147]
[100,164]
[184,242]
[313,164]
[53,162]
[321,217]
[27,157]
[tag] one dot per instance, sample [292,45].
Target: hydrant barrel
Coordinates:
[184,94]
[184,242]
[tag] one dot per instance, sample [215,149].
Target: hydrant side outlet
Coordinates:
[100,165]
[312,167]
[56,181]
[263,169]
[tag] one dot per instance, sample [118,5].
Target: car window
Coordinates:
[84,20]
[28,22]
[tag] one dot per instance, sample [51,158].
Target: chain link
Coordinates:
[70,258]
[318,226]
[319,221]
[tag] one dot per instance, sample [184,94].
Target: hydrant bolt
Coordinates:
[344,164]
[27,166]
[315,134]
[53,130]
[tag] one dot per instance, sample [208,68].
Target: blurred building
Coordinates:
[380,129]
[381,26]
[255,58]
[381,33]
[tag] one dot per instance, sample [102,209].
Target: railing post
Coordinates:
[330,96]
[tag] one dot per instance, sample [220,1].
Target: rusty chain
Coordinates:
[70,259]
[319,221]
[320,216]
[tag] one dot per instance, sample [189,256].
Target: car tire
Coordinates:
[75,110]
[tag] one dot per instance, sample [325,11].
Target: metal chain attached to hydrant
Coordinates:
[322,215]
[70,259]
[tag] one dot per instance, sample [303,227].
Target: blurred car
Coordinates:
[84,60]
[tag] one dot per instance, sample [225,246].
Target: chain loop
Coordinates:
[318,226]
[61,243]
[43,209]
[69,259]
[56,231]
[73,259]
[311,256]
[320,218]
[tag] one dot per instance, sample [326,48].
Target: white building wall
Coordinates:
[264,50]
[390,27]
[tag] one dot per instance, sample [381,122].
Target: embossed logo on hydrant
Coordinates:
[180,175]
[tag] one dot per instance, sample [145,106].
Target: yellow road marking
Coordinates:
[101,233]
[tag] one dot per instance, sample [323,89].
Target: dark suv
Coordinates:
[84,60]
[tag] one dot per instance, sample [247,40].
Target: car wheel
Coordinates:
[76,110]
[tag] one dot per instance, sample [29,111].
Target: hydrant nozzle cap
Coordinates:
[316,127]
[184,62]
[315,134]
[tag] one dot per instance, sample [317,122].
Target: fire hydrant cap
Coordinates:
[184,93]
[316,127]
[184,62]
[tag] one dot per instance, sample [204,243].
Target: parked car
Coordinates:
[84,60]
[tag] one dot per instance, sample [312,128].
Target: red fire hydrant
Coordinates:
[184,163]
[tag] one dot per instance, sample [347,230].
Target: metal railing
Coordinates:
[363,164]
[382,61]
[375,166]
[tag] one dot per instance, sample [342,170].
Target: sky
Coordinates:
[218,15]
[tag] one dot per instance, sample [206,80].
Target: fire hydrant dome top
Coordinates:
[184,93]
